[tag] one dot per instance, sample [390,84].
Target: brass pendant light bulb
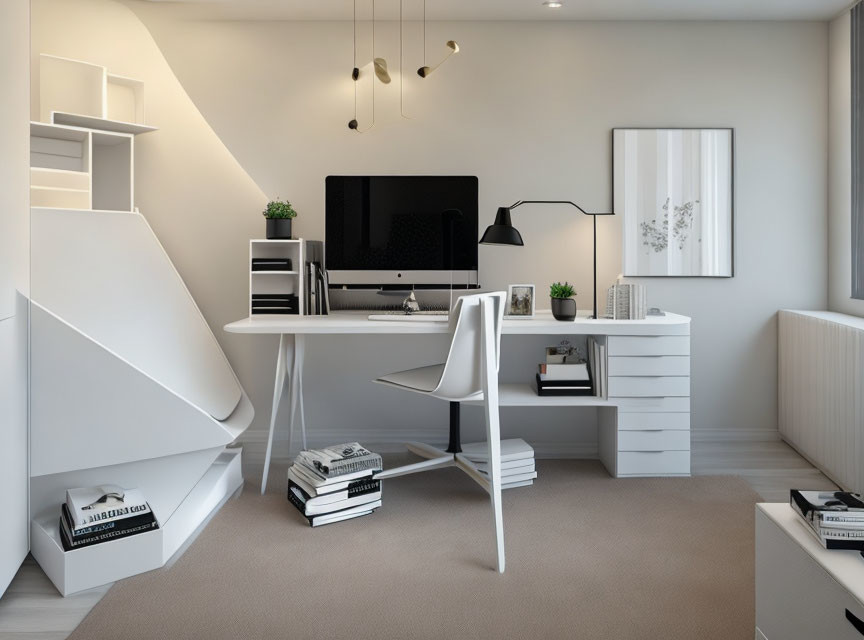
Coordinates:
[381,72]
[424,71]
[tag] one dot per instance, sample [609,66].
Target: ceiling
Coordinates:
[513,9]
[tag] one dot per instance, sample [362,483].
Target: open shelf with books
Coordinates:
[279,282]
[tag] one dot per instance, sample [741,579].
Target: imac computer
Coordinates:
[405,232]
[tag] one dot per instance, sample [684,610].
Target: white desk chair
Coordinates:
[470,373]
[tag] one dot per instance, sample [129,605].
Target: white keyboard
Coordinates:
[417,316]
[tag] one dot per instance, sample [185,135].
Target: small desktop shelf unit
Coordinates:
[292,282]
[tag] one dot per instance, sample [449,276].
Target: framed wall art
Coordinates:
[673,189]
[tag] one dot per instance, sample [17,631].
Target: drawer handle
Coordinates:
[855,621]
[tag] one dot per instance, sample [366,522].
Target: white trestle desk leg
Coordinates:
[493,429]
[286,344]
[299,357]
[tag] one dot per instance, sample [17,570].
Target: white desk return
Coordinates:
[645,424]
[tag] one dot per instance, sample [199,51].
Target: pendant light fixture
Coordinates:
[425,70]
[379,68]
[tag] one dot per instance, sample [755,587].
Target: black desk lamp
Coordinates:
[502,231]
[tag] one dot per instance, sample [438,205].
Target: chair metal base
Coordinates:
[436,459]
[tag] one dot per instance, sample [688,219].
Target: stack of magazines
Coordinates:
[335,483]
[836,518]
[101,514]
[517,461]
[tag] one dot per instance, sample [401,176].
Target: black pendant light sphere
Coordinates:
[502,230]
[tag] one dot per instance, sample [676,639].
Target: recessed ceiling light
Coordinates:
[553,4]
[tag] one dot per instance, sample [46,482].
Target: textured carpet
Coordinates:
[588,556]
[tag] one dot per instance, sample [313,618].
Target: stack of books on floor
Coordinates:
[836,518]
[335,483]
[102,514]
[517,461]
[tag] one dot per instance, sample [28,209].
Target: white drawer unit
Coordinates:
[654,440]
[804,591]
[653,404]
[646,386]
[649,385]
[649,366]
[648,346]
[653,463]
[656,420]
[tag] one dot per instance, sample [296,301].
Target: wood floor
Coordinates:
[32,609]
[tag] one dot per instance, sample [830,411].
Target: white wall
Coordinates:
[14,283]
[529,108]
[840,169]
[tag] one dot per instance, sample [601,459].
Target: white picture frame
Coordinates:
[521,301]
[674,190]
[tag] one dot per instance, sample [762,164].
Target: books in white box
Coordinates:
[90,505]
[92,515]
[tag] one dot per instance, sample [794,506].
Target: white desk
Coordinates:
[645,431]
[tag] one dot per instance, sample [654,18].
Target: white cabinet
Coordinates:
[804,591]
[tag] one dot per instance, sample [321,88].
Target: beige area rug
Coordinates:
[588,556]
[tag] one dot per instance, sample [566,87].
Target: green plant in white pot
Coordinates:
[563,304]
[279,216]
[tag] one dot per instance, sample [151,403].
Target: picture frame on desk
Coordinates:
[520,301]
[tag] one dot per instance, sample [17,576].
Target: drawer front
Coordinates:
[648,345]
[652,404]
[649,366]
[639,463]
[796,599]
[654,440]
[649,386]
[656,420]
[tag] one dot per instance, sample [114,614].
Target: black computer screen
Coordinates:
[401,223]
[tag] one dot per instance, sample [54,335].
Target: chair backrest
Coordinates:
[462,375]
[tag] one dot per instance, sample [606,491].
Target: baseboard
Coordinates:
[384,441]
[389,441]
[734,435]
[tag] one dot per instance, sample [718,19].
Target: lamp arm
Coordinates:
[572,204]
[594,230]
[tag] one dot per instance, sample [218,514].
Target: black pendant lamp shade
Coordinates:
[502,230]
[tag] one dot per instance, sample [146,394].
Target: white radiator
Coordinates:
[821,391]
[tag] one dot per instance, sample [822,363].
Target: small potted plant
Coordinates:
[279,215]
[563,304]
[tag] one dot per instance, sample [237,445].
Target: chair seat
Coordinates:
[422,379]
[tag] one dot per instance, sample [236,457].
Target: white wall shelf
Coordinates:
[83,94]
[75,168]
[104,124]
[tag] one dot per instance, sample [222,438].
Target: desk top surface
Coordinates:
[346,322]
